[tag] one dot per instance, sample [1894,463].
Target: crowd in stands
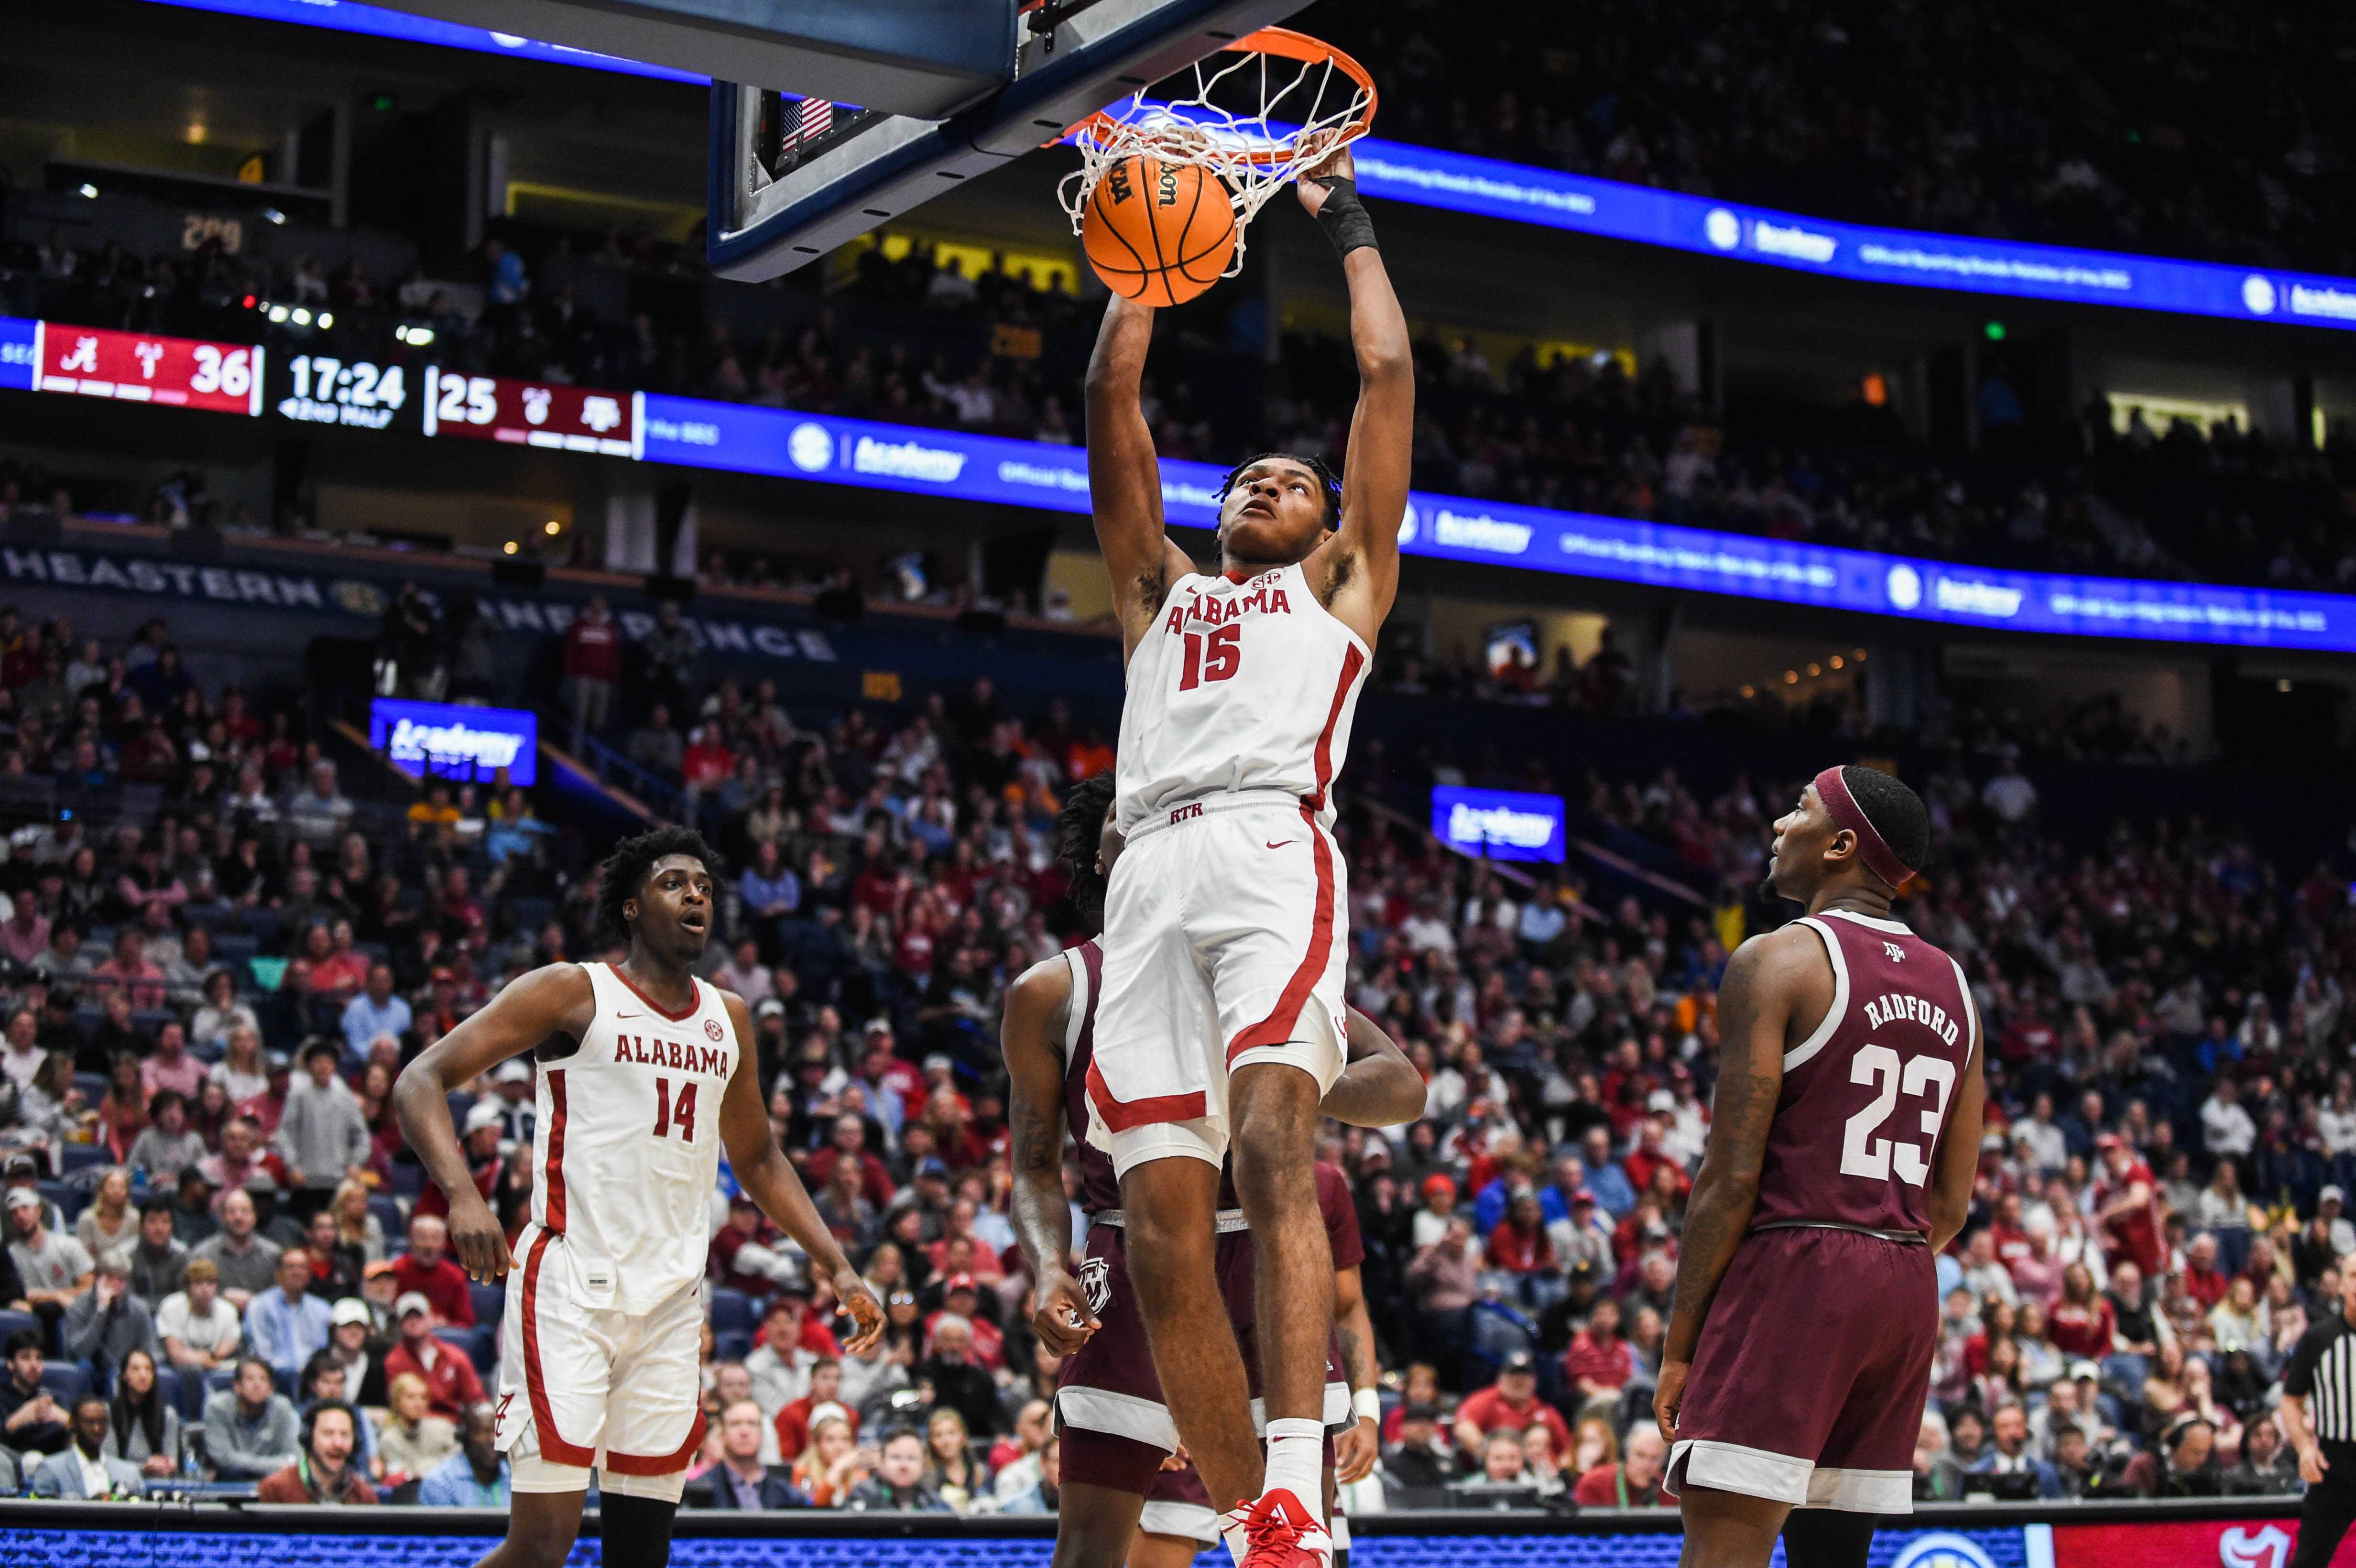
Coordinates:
[226,1265]
[1995,118]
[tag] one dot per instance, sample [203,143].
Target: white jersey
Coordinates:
[1239,685]
[628,1144]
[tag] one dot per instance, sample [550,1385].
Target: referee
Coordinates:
[2319,1411]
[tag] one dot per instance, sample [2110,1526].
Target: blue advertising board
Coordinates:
[452,741]
[19,352]
[1522,193]
[346,16]
[962,466]
[1499,824]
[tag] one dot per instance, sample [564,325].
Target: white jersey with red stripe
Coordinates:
[1239,685]
[628,1143]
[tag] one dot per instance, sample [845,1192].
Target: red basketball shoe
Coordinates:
[1283,1534]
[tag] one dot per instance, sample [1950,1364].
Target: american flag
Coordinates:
[817,119]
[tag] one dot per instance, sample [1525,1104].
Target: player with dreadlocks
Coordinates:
[598,1348]
[1117,1504]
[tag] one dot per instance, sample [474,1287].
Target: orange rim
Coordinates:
[1285,44]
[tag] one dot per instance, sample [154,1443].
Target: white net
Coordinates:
[1256,117]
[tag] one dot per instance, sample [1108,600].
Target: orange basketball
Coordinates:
[1159,234]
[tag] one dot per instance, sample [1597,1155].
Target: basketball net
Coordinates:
[1314,100]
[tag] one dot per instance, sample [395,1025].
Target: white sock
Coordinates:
[1296,1462]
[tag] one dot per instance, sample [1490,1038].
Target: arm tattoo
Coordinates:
[1348,1338]
[1038,1140]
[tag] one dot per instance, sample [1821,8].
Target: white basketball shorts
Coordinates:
[582,1387]
[1225,944]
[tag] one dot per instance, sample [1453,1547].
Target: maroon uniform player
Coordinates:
[1116,1428]
[1840,1159]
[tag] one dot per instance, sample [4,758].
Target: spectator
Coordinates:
[950,1469]
[54,1269]
[323,1472]
[1509,1405]
[2267,1467]
[108,1321]
[430,1273]
[1045,1496]
[1502,1465]
[959,1383]
[2181,1463]
[669,650]
[166,1145]
[109,1221]
[2009,795]
[375,1013]
[158,1262]
[246,1261]
[898,1483]
[200,1329]
[833,1466]
[1421,1460]
[797,1417]
[413,1441]
[1599,1363]
[243,1157]
[83,1471]
[250,1429]
[143,1429]
[1445,1277]
[592,664]
[31,1419]
[319,813]
[475,1477]
[740,1480]
[2009,1454]
[450,1378]
[1634,1482]
[286,1325]
[322,1138]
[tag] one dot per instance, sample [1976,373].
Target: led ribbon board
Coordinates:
[698,433]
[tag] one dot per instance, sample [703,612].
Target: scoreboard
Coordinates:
[147,368]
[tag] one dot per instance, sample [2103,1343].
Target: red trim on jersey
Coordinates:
[1120,1116]
[1353,661]
[553,1179]
[661,1012]
[1277,1028]
[659,1464]
[1237,578]
[543,1415]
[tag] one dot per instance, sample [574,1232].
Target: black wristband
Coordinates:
[1343,216]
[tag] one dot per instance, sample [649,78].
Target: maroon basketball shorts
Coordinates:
[1814,1366]
[1116,1428]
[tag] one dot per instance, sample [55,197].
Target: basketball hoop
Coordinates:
[1311,100]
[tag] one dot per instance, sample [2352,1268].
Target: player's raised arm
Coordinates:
[1379,1087]
[555,1000]
[1754,1005]
[1359,575]
[1037,1007]
[768,1177]
[1125,474]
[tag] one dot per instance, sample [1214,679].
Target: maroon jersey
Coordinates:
[1864,1096]
[1335,1207]
[1099,1188]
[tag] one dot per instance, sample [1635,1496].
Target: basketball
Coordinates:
[1159,234]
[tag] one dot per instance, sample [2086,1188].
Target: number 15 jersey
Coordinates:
[1239,685]
[1856,1134]
[628,1144]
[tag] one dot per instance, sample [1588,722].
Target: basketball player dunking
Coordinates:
[1120,1503]
[1845,1135]
[644,1075]
[1222,1023]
